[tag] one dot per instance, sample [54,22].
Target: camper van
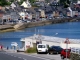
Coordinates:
[42,48]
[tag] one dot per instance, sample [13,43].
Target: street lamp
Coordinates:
[67,42]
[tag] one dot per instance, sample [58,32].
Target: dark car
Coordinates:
[65,53]
[55,50]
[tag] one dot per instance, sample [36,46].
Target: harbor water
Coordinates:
[69,30]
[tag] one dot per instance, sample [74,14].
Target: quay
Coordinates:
[38,23]
[47,22]
[5,28]
[2,27]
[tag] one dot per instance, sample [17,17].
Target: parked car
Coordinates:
[42,48]
[55,50]
[65,53]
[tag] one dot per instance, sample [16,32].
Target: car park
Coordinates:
[65,53]
[55,50]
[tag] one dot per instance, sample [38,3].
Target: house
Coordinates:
[26,15]
[56,41]
[55,13]
[42,13]
[67,12]
[26,4]
[14,15]
[32,13]
[74,12]
[32,40]
[14,4]
[37,13]
[22,15]
[0,7]
[78,1]
[1,14]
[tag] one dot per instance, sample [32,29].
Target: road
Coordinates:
[8,57]
[16,56]
[23,56]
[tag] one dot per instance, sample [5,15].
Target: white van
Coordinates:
[42,48]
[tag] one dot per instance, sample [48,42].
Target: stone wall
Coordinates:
[74,56]
[47,22]
[41,23]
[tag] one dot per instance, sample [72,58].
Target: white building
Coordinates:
[56,41]
[78,1]
[22,14]
[13,5]
[26,4]
[42,13]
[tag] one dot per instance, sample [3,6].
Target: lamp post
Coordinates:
[67,42]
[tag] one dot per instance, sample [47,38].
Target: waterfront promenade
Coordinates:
[2,27]
[38,23]
[6,28]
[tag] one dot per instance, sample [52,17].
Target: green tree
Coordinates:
[3,2]
[47,1]
[21,2]
[66,3]
[32,1]
[62,1]
[12,0]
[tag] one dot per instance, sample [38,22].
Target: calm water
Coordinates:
[64,30]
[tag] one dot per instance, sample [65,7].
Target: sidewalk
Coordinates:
[2,27]
[9,50]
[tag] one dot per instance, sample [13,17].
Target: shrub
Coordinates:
[31,50]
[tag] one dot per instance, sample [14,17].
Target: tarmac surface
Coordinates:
[27,56]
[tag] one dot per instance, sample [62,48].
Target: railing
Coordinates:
[75,50]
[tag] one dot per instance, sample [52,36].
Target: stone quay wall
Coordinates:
[40,23]
[47,22]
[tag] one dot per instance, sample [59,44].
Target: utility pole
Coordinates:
[67,41]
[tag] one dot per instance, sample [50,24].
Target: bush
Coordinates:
[31,50]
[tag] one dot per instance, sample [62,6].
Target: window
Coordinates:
[66,50]
[41,46]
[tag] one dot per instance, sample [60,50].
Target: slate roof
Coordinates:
[73,9]
[2,12]
[16,3]
[36,9]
